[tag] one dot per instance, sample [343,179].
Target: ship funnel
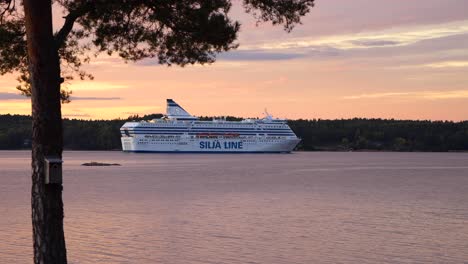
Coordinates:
[267,115]
[175,111]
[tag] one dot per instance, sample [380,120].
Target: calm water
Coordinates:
[298,208]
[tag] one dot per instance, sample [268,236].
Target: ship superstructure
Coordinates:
[179,131]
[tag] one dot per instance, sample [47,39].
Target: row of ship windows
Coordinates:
[238,126]
[285,136]
[142,141]
[194,140]
[209,126]
[219,137]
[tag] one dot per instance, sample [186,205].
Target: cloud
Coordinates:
[448,64]
[428,95]
[12,96]
[375,43]
[148,62]
[240,55]
[84,98]
[335,45]
[109,61]
[394,37]
[376,95]
[252,55]
[95,86]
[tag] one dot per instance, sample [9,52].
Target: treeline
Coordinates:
[15,132]
[381,134]
[317,134]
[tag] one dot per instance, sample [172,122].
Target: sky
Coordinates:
[397,59]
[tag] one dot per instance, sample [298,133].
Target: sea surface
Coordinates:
[284,208]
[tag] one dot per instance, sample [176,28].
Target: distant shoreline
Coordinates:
[341,135]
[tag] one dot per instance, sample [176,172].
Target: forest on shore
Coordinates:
[317,135]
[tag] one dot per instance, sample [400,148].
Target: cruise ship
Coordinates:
[178,131]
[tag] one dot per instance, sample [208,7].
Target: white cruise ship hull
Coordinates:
[142,144]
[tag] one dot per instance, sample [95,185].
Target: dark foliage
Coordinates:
[176,32]
[349,134]
[380,134]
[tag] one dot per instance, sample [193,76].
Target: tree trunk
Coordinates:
[44,68]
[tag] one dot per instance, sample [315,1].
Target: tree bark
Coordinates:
[44,68]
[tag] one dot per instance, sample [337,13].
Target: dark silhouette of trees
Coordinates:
[173,31]
[380,134]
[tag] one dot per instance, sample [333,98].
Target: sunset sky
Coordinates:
[362,58]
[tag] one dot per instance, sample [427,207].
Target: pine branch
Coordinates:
[6,6]
[61,36]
